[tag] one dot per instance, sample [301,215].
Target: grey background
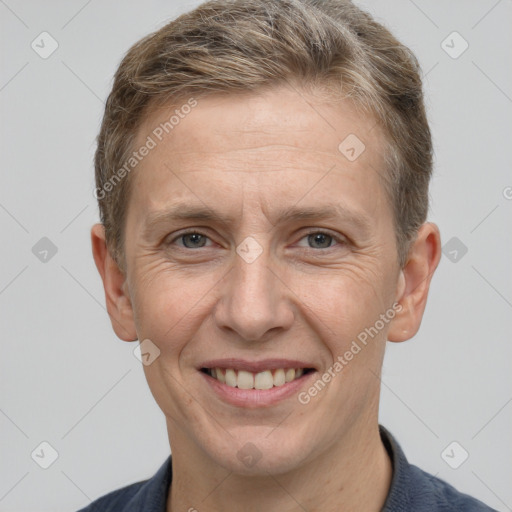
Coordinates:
[66,379]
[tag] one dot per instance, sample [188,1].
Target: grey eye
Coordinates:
[322,239]
[196,240]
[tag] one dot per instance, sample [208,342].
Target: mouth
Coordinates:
[258,380]
[255,384]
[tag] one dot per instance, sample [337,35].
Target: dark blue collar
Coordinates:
[411,490]
[152,496]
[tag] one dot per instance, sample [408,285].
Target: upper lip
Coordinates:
[254,366]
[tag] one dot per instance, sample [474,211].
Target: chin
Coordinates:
[258,453]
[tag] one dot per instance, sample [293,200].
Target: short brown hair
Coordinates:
[243,45]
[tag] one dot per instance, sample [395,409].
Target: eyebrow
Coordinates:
[185,211]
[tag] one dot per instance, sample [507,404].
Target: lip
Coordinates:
[255,366]
[257,398]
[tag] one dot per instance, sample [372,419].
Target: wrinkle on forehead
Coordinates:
[294,113]
[252,150]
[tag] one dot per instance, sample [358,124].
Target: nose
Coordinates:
[255,299]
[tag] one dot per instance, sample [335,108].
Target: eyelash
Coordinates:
[340,240]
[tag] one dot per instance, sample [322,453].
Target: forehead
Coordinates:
[279,140]
[264,116]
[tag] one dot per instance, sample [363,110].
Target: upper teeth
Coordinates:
[248,380]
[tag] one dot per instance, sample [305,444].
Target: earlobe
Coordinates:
[414,283]
[117,298]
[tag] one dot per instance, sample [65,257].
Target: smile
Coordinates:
[266,379]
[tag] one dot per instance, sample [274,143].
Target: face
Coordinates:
[257,253]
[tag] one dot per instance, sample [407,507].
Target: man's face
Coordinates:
[258,287]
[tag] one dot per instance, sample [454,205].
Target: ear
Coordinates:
[414,283]
[118,301]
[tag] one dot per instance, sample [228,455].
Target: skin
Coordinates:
[248,157]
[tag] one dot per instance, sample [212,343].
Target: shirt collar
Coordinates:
[152,496]
[398,497]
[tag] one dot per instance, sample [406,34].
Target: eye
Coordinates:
[314,239]
[191,240]
[321,240]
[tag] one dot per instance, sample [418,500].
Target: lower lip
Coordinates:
[256,397]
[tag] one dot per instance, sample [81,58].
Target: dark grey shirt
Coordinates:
[412,490]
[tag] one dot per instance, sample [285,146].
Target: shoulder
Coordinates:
[426,488]
[429,491]
[117,500]
[144,496]
[415,489]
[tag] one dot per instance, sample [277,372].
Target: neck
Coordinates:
[354,475]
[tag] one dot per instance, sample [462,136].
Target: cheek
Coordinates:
[169,305]
[347,309]
[345,300]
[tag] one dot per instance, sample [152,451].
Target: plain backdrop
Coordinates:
[68,381]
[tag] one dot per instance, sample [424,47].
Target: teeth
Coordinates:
[245,380]
[221,377]
[262,380]
[230,378]
[290,375]
[279,377]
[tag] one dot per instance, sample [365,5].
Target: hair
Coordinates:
[230,46]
